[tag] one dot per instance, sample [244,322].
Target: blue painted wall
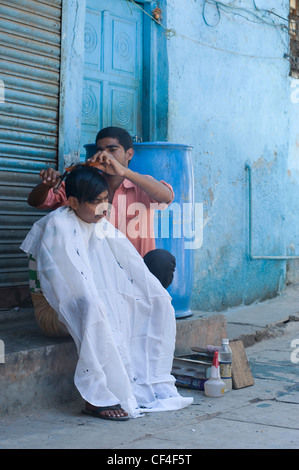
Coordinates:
[235,110]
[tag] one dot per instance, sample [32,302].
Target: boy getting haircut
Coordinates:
[117,312]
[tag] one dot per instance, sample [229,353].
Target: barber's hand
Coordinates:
[108,164]
[49,177]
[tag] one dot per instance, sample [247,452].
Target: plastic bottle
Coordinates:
[225,362]
[214,387]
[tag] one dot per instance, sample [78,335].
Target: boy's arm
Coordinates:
[154,188]
[40,192]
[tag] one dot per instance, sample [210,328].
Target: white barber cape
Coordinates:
[117,312]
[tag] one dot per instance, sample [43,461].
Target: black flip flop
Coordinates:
[97,411]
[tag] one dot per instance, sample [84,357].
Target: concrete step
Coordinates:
[37,372]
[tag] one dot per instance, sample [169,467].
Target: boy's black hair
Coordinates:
[85,183]
[123,137]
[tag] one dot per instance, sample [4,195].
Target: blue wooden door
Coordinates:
[112,88]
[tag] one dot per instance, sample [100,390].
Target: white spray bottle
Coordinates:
[214,387]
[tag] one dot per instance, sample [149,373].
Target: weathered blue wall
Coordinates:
[235,110]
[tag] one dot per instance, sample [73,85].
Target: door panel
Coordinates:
[112,89]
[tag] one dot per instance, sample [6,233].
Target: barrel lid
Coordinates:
[162,144]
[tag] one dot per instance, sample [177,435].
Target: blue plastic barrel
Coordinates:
[173,164]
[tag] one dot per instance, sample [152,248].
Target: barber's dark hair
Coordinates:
[118,133]
[85,183]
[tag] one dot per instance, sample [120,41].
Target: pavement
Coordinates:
[264,415]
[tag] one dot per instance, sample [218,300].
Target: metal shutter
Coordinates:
[30,42]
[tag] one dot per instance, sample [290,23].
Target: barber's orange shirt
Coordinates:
[132,212]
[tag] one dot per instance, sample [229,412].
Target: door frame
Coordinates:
[155,77]
[71,81]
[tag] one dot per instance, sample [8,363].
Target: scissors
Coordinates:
[71,168]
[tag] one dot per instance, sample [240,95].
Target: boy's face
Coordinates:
[112,146]
[90,212]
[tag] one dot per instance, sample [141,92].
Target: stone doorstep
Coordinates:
[38,371]
[199,330]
